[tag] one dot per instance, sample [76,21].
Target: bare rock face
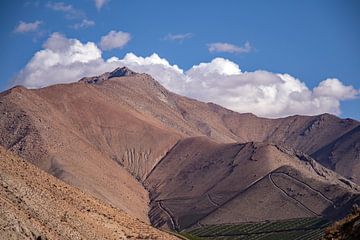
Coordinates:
[125,139]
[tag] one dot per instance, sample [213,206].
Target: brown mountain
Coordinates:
[35,205]
[121,136]
[202,182]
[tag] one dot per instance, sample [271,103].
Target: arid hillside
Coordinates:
[36,205]
[177,162]
[201,182]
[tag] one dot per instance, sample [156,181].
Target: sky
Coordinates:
[273,58]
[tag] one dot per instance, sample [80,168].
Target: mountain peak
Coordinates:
[118,72]
[121,72]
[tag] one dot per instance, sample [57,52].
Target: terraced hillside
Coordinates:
[295,229]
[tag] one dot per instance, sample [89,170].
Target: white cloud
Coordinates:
[221,81]
[334,88]
[85,23]
[217,66]
[24,27]
[114,40]
[229,48]
[100,3]
[68,9]
[178,37]
[61,61]
[170,76]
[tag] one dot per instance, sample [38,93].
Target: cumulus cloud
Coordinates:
[69,11]
[114,40]
[264,93]
[178,37]
[24,27]
[335,88]
[217,66]
[85,23]
[229,48]
[61,61]
[100,3]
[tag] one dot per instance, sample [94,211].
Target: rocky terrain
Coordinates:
[177,162]
[36,205]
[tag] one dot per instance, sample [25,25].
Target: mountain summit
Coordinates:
[121,72]
[118,72]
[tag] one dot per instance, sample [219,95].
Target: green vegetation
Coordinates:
[294,229]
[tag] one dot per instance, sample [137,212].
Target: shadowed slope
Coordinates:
[308,134]
[203,182]
[342,153]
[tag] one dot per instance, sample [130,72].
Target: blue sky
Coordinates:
[309,40]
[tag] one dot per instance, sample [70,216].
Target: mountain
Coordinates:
[201,182]
[342,153]
[36,205]
[178,162]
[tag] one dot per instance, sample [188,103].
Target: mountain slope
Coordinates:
[121,135]
[202,182]
[308,134]
[137,96]
[76,134]
[35,205]
[342,153]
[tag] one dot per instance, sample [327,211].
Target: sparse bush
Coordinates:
[345,229]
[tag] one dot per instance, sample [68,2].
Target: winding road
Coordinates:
[270,177]
[212,201]
[308,186]
[286,194]
[168,213]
